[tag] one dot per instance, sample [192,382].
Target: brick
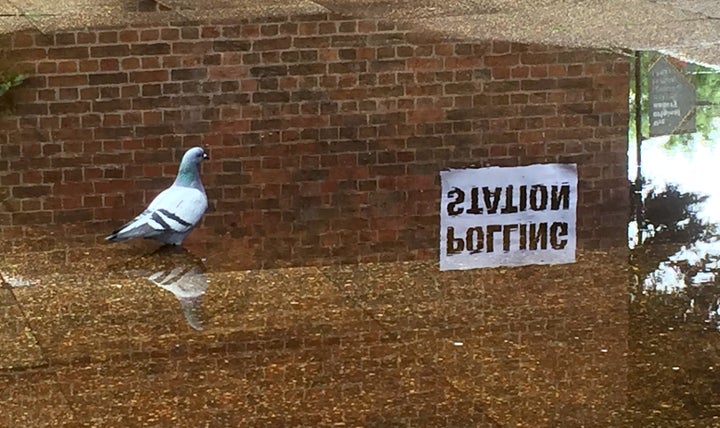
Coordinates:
[539,84]
[29,54]
[189,74]
[22,40]
[347,67]
[231,45]
[30,191]
[74,215]
[271,70]
[390,118]
[578,83]
[189,33]
[149,62]
[279,43]
[104,106]
[150,49]
[271,97]
[538,58]
[149,35]
[109,51]
[47,67]
[32,218]
[470,87]
[575,56]
[68,94]
[149,76]
[307,69]
[310,42]
[69,108]
[387,65]
[107,78]
[86,37]
[169,34]
[503,60]
[71,80]
[77,52]
[109,64]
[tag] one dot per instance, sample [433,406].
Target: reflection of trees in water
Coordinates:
[673,341]
[675,348]
[707,90]
[670,228]
[671,216]
[678,248]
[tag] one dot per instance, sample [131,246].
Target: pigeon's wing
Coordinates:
[175,210]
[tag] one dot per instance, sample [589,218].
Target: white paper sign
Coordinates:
[508,216]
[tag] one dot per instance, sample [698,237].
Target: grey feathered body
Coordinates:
[175,212]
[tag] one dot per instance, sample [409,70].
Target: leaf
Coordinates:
[4,87]
[18,79]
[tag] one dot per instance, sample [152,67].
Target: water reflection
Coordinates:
[678,251]
[675,244]
[178,271]
[675,300]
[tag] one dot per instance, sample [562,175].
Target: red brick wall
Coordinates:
[326,134]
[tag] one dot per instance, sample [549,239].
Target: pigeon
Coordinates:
[173,214]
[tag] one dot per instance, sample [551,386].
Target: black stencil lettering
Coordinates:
[474,239]
[523,236]
[557,230]
[475,202]
[541,191]
[490,240]
[560,196]
[492,200]
[538,233]
[507,229]
[454,245]
[509,207]
[452,207]
[523,198]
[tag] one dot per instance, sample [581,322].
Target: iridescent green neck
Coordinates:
[187,175]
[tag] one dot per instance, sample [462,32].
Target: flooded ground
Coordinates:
[124,335]
[109,335]
[129,335]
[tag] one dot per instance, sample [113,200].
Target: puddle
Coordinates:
[675,293]
[179,272]
[169,336]
[379,344]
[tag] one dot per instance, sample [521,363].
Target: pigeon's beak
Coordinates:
[206,156]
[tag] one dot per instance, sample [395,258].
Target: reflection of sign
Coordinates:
[508,216]
[672,101]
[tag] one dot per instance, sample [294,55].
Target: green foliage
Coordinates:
[8,81]
[644,98]
[707,90]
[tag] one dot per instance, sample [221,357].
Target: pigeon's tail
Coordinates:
[130,231]
[113,237]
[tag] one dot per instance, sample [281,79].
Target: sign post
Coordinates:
[672,100]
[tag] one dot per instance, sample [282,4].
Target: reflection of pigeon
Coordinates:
[179,272]
[176,211]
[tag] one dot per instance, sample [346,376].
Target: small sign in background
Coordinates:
[672,100]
